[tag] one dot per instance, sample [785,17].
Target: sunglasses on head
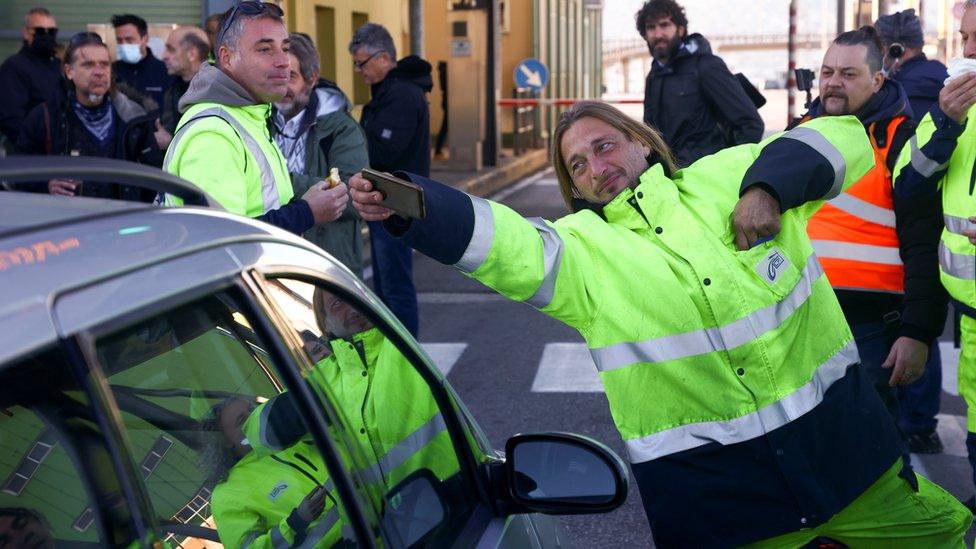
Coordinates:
[249,8]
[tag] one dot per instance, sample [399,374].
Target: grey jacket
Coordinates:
[334,140]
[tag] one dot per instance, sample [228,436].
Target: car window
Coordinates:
[59,484]
[411,471]
[186,382]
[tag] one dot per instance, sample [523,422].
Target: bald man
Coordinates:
[187,48]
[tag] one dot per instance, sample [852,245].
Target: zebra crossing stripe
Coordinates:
[444,355]
[566,368]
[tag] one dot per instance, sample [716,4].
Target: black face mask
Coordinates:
[43,44]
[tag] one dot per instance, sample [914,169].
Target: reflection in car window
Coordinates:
[50,443]
[186,383]
[411,469]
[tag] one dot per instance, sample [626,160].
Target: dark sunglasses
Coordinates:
[249,8]
[53,31]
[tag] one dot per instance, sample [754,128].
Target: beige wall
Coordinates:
[516,46]
[392,14]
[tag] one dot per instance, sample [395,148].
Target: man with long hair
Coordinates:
[729,368]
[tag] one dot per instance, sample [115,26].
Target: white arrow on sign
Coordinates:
[534,78]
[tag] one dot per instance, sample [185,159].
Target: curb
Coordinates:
[496,179]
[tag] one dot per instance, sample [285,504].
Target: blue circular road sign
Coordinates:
[531,73]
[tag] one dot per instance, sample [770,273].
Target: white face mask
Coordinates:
[128,53]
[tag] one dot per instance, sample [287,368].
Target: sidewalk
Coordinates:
[490,180]
[487,181]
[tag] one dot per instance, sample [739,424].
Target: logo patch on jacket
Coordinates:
[772,265]
[386,133]
[278,489]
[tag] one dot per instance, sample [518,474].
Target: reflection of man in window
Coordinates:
[22,527]
[386,403]
[267,500]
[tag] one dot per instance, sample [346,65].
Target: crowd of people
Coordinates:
[779,406]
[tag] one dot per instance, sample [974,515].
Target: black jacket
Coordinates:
[397,119]
[918,223]
[169,109]
[697,104]
[149,76]
[54,129]
[27,80]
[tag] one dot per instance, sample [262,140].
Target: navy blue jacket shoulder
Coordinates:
[922,79]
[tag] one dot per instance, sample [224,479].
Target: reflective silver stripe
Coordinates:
[409,446]
[864,210]
[925,166]
[730,336]
[819,143]
[960,266]
[958,224]
[322,528]
[751,425]
[481,237]
[269,188]
[277,539]
[552,254]
[857,252]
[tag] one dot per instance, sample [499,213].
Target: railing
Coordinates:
[525,125]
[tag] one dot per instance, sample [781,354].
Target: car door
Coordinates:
[425,471]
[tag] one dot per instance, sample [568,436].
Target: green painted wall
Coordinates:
[75,15]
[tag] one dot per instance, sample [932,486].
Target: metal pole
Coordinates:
[417,27]
[790,74]
[841,16]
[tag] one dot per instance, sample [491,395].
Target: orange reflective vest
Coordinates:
[854,234]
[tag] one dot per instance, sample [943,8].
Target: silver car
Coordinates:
[192,378]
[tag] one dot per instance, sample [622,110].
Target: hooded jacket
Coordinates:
[54,129]
[27,80]
[334,140]
[918,225]
[397,119]
[214,153]
[697,104]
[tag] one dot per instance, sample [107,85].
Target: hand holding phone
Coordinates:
[403,197]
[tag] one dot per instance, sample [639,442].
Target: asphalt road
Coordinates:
[519,371]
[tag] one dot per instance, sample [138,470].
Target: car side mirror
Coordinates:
[564,474]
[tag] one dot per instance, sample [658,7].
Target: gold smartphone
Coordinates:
[401,196]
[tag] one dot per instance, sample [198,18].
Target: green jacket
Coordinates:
[729,374]
[335,140]
[223,145]
[254,506]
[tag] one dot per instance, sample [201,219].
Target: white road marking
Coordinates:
[530,180]
[445,355]
[950,367]
[566,368]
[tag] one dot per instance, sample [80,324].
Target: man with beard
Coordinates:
[223,144]
[690,96]
[187,49]
[31,76]
[879,251]
[316,134]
